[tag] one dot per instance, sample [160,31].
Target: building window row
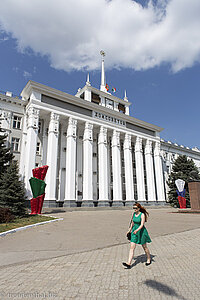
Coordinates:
[15,144]
[17,122]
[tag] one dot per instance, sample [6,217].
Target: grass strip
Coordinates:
[27,220]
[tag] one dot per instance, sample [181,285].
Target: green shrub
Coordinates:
[5,215]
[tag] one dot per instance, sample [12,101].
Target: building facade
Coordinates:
[98,155]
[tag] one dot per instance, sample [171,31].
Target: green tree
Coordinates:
[5,155]
[186,170]
[12,191]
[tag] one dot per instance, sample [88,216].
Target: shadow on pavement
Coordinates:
[163,288]
[141,259]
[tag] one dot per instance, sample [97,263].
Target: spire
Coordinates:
[125,97]
[88,80]
[103,77]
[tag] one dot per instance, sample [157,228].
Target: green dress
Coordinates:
[141,237]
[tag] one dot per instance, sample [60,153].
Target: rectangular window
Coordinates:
[17,122]
[39,127]
[15,144]
[121,108]
[95,98]
[38,149]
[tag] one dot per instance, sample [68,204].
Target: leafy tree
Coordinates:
[5,155]
[12,191]
[186,170]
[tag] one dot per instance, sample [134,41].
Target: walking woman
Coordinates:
[139,234]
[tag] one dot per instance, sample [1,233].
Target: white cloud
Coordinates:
[72,32]
[4,39]
[27,74]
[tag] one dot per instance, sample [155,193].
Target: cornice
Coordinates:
[54,93]
[170,145]
[13,100]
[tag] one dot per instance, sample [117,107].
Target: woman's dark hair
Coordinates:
[143,210]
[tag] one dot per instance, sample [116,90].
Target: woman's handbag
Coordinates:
[129,236]
[129,233]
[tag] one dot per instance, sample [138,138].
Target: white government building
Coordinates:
[98,155]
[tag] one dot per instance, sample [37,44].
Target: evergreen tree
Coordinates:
[5,155]
[12,191]
[186,170]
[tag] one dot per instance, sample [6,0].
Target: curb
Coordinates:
[47,210]
[29,226]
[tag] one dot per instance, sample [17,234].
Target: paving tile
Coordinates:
[99,274]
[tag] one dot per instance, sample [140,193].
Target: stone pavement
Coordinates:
[99,274]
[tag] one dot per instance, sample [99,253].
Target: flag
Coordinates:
[113,90]
[107,87]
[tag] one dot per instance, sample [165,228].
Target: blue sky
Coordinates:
[153,52]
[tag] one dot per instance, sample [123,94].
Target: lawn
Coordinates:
[20,222]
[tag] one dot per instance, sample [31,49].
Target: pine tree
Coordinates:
[12,191]
[186,170]
[5,155]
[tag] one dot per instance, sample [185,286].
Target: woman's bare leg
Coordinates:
[146,250]
[131,253]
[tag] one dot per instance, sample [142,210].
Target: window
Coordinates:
[95,98]
[38,148]
[173,157]
[82,95]
[121,108]
[17,122]
[15,144]
[39,127]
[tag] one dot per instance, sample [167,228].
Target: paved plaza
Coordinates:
[81,258]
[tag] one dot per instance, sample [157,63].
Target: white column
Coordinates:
[87,162]
[23,149]
[150,171]
[103,164]
[116,167]
[52,153]
[159,173]
[44,143]
[139,169]
[70,185]
[128,162]
[32,131]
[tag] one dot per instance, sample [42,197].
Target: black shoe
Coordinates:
[147,264]
[126,265]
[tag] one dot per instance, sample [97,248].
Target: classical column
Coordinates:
[128,162]
[103,164]
[139,169]
[52,153]
[23,149]
[159,173]
[70,185]
[87,162]
[31,142]
[44,143]
[150,171]
[116,168]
